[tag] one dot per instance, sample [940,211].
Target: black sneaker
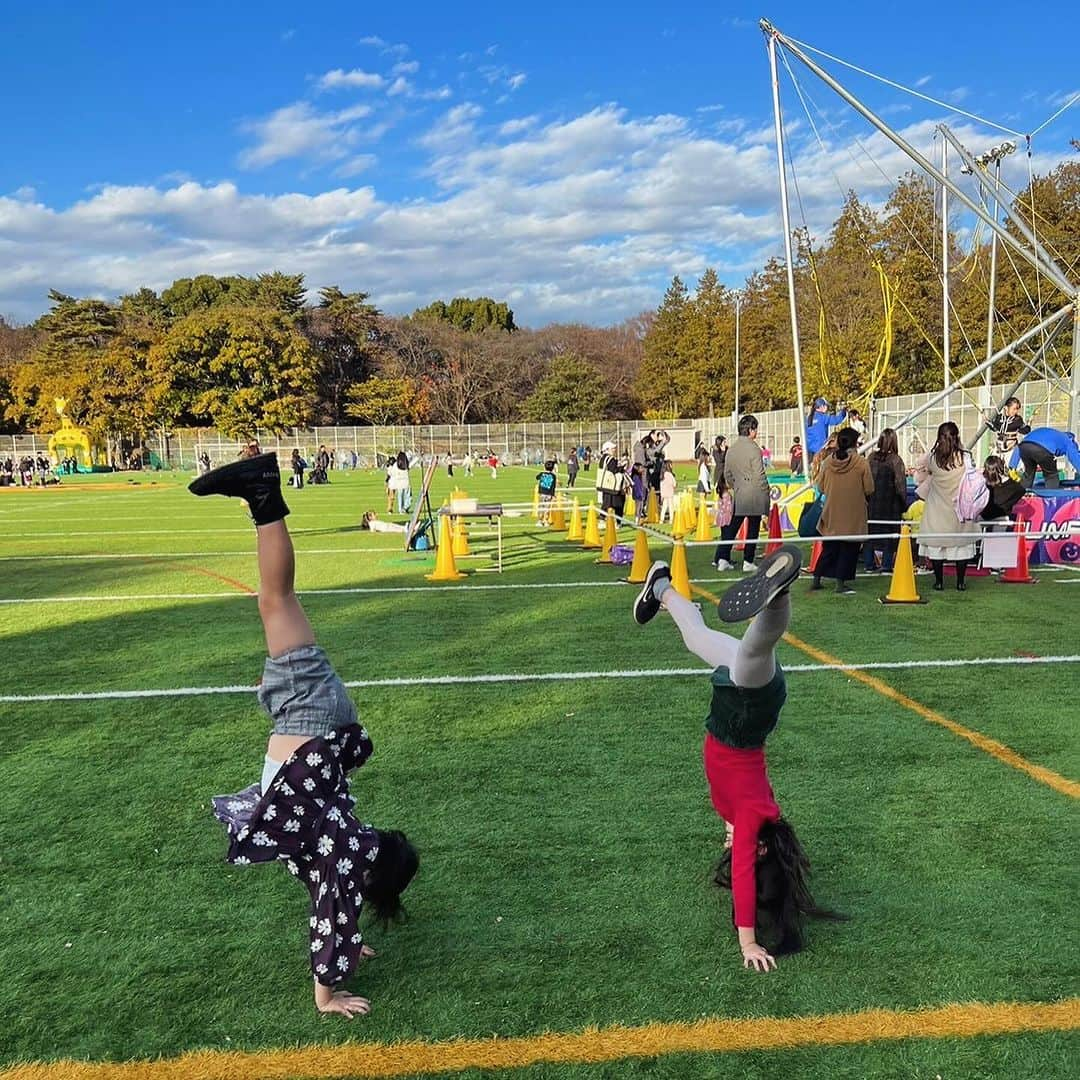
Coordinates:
[747,597]
[646,605]
[256,480]
[238,477]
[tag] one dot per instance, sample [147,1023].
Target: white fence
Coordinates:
[1045,404]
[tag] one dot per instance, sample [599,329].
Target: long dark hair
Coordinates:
[886,444]
[389,876]
[948,450]
[846,441]
[782,880]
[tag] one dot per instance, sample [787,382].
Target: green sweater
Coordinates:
[742,717]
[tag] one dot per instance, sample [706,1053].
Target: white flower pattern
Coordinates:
[311,827]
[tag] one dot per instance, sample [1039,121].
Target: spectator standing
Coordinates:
[744,476]
[298,466]
[818,423]
[572,467]
[846,483]
[719,453]
[546,482]
[857,424]
[611,479]
[888,501]
[795,457]
[704,480]
[942,472]
[1005,492]
[586,458]
[668,484]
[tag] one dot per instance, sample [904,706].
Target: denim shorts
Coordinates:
[303,695]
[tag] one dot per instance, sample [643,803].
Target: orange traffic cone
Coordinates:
[445,567]
[591,540]
[703,534]
[639,568]
[1019,574]
[902,587]
[461,539]
[557,520]
[815,554]
[680,578]
[652,508]
[776,534]
[575,532]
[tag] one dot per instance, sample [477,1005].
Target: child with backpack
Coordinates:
[546,482]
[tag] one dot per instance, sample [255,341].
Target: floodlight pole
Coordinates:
[945,342]
[782,168]
[1049,269]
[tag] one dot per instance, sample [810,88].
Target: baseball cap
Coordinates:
[609,445]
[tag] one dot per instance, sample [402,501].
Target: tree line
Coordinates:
[241,353]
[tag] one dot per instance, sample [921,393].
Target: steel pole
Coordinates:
[1051,272]
[738,306]
[1074,403]
[1022,226]
[1030,365]
[945,342]
[787,247]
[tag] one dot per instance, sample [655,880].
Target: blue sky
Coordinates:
[566,157]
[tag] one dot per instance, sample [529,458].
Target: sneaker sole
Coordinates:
[646,589]
[748,597]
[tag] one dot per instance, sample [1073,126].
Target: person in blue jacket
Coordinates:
[1040,450]
[818,423]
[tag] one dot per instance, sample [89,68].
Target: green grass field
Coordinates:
[564,826]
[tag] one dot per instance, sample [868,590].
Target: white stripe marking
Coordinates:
[545,676]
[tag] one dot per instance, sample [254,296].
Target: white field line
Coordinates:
[540,676]
[200,554]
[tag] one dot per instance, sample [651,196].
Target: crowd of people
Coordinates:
[29,471]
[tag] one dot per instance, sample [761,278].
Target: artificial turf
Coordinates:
[564,827]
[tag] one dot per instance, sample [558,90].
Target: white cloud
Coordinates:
[517,80]
[408,67]
[922,81]
[400,85]
[355,79]
[299,131]
[582,218]
[384,46]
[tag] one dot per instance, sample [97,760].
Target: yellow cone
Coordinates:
[689,513]
[445,567]
[558,515]
[652,508]
[678,520]
[902,587]
[576,532]
[639,568]
[461,539]
[704,526]
[680,578]
[591,540]
[611,537]
[630,511]
[536,502]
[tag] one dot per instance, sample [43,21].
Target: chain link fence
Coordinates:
[365,447]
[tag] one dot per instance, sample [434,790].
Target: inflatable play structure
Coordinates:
[72,442]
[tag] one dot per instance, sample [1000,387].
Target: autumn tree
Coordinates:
[238,368]
[465,313]
[572,389]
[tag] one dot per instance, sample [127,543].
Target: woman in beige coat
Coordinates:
[846,482]
[942,471]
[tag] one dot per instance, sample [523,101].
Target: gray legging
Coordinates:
[751,659]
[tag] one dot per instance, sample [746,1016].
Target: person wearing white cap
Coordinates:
[611,479]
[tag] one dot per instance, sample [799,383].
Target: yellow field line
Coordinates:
[990,746]
[582,1048]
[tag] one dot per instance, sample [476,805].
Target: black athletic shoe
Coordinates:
[257,480]
[646,605]
[747,597]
